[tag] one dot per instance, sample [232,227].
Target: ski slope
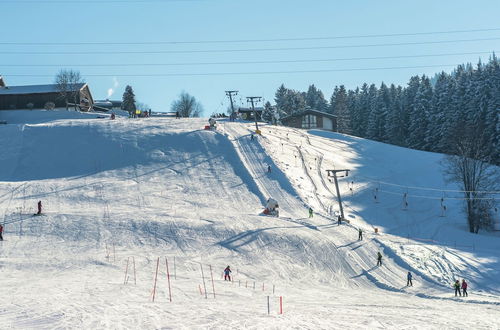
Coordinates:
[150,188]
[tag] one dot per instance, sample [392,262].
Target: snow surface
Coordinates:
[164,187]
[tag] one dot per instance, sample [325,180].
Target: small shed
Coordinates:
[310,118]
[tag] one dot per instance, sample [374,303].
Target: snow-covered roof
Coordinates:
[34,89]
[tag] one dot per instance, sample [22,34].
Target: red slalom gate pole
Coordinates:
[212,276]
[126,272]
[203,278]
[281,305]
[156,277]
[168,278]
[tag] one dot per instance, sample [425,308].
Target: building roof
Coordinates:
[258,109]
[309,112]
[34,89]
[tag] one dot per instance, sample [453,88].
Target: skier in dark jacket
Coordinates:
[310,212]
[360,234]
[227,273]
[39,208]
[379,259]
[339,220]
[409,277]
[1,233]
[456,285]
[464,288]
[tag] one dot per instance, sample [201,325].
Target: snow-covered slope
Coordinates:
[150,188]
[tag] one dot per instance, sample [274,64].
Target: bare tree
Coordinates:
[470,166]
[49,106]
[187,106]
[68,82]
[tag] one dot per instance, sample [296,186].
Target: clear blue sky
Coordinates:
[114,21]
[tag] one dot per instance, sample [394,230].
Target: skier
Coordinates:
[379,259]
[409,277]
[1,232]
[112,116]
[339,220]
[251,136]
[268,167]
[360,234]
[310,212]
[464,288]
[227,273]
[39,208]
[177,115]
[456,285]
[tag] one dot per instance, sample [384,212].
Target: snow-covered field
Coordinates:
[131,191]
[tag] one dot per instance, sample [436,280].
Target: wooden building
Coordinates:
[248,113]
[37,96]
[310,118]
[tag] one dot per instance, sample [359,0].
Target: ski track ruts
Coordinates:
[380,280]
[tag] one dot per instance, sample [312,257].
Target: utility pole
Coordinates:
[230,94]
[257,99]
[333,173]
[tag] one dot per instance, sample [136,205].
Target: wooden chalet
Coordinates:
[37,96]
[310,118]
[248,113]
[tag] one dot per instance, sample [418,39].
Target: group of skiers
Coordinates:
[457,287]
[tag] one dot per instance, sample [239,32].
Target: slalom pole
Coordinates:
[156,277]
[203,278]
[273,288]
[126,272]
[268,307]
[135,277]
[168,278]
[281,305]
[212,276]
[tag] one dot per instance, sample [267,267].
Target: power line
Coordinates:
[67,2]
[248,62]
[247,49]
[242,73]
[171,42]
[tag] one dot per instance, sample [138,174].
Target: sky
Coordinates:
[204,47]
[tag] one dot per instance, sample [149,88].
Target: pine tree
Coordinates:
[315,99]
[419,117]
[267,113]
[378,114]
[128,100]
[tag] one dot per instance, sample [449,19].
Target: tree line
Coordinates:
[426,114]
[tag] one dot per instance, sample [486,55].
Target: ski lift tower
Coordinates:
[333,173]
[253,99]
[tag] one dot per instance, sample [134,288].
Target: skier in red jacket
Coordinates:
[227,273]
[1,233]
[464,288]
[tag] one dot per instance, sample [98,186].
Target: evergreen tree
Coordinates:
[315,99]
[419,117]
[128,100]
[342,112]
[267,113]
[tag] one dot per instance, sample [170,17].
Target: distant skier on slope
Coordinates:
[268,168]
[360,234]
[310,212]
[339,220]
[1,232]
[464,288]
[456,285]
[227,272]
[39,208]
[379,259]
[251,136]
[409,277]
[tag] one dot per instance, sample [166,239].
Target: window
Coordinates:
[309,121]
